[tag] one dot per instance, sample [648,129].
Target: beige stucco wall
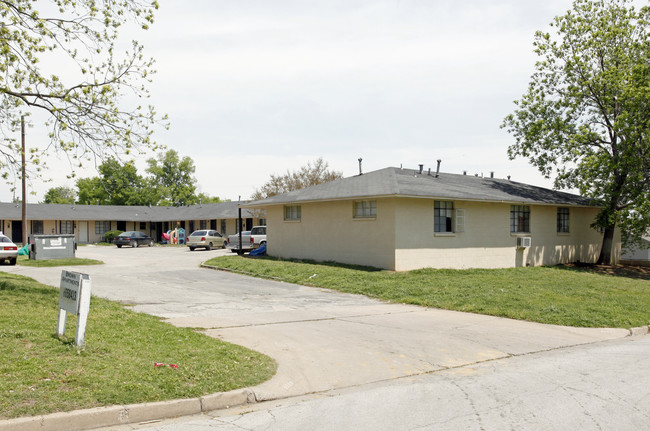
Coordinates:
[328,232]
[402,236]
[486,241]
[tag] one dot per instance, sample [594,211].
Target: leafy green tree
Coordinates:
[309,175]
[91,192]
[585,119]
[60,195]
[174,176]
[64,59]
[207,199]
[118,184]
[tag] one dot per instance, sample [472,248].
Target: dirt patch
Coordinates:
[629,271]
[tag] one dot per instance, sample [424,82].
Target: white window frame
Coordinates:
[66,227]
[292,213]
[365,209]
[101,227]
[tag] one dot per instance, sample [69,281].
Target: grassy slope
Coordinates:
[40,373]
[555,295]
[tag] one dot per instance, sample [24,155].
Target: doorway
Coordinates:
[82,230]
[17,231]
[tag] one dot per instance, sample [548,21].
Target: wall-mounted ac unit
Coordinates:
[523,242]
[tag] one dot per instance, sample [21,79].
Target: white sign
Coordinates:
[74,297]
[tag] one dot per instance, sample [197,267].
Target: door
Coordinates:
[82,228]
[17,231]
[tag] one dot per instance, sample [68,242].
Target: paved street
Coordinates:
[370,353]
[602,386]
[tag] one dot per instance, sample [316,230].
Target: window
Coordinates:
[563,220]
[443,215]
[292,212]
[365,209]
[102,227]
[143,225]
[66,227]
[203,224]
[223,227]
[37,227]
[519,218]
[262,222]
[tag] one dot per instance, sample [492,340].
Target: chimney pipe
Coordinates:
[421,168]
[438,168]
[360,172]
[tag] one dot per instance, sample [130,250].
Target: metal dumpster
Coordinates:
[44,247]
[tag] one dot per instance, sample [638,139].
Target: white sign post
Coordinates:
[74,297]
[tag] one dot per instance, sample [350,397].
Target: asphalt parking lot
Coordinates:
[321,339]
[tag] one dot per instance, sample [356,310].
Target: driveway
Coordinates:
[321,339]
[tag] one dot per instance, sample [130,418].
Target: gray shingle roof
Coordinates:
[410,183]
[221,210]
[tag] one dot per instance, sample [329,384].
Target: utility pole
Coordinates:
[239,221]
[22,154]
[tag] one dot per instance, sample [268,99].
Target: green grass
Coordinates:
[554,295]
[40,373]
[25,261]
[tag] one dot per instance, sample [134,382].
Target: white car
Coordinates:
[8,250]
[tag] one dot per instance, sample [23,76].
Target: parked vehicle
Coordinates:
[251,239]
[8,250]
[207,239]
[133,238]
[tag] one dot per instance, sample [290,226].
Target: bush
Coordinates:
[111,234]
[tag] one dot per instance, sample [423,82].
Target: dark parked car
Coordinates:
[134,239]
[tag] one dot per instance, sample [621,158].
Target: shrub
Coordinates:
[111,234]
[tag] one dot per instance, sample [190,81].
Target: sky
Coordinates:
[254,88]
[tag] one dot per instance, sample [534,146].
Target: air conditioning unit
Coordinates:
[523,242]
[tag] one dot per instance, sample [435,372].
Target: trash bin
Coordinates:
[44,247]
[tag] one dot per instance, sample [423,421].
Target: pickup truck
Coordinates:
[250,239]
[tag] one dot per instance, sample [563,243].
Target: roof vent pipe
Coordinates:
[429,174]
[438,168]
[360,172]
[421,168]
[491,174]
[464,172]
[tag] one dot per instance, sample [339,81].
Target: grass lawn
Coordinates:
[25,261]
[40,373]
[560,295]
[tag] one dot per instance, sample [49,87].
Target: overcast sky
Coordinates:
[254,88]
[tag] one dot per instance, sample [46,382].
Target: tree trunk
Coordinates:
[605,257]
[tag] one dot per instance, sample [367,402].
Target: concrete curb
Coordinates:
[641,330]
[135,413]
